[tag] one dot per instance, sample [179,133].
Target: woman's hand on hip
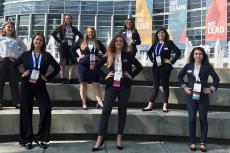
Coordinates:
[43,77]
[126,74]
[26,73]
[187,90]
[207,91]
[167,61]
[111,74]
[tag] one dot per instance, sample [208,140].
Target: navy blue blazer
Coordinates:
[128,60]
[205,72]
[135,37]
[165,53]
[86,51]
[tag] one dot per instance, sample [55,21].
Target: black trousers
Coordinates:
[111,94]
[9,73]
[28,92]
[161,73]
[202,107]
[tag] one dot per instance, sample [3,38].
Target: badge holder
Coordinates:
[158,60]
[196,91]
[92,58]
[34,76]
[117,79]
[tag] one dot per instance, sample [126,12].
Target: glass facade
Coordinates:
[107,16]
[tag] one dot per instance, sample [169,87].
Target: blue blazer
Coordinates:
[205,72]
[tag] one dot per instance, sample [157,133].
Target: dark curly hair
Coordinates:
[205,59]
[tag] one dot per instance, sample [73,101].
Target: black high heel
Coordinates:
[203,149]
[120,147]
[28,146]
[96,149]
[192,148]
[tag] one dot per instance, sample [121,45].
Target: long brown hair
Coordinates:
[133,24]
[156,39]
[3,33]
[112,49]
[84,43]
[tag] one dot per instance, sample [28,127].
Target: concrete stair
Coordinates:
[73,120]
[77,121]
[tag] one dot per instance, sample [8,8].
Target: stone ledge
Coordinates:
[70,92]
[77,121]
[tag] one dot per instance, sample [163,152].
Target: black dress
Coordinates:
[84,73]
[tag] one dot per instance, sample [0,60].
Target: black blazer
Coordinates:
[86,52]
[47,59]
[135,37]
[61,30]
[127,61]
[165,53]
[205,71]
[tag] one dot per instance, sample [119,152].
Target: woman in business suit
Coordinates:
[87,57]
[197,89]
[160,55]
[35,63]
[118,84]
[10,46]
[67,34]
[131,35]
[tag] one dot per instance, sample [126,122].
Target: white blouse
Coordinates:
[11,47]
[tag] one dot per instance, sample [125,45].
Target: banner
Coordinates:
[216,21]
[177,21]
[144,21]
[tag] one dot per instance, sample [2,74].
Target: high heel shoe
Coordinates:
[119,147]
[203,149]
[147,109]
[101,144]
[98,106]
[192,148]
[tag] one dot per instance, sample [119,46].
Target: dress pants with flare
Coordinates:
[28,92]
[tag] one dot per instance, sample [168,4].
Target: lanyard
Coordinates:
[39,60]
[196,73]
[91,47]
[118,64]
[157,49]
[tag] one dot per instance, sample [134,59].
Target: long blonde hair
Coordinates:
[112,49]
[84,43]
[3,32]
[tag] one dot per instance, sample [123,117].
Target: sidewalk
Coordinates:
[110,147]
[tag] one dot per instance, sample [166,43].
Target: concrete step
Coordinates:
[78,121]
[84,146]
[139,94]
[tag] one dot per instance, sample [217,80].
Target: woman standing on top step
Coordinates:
[160,55]
[197,89]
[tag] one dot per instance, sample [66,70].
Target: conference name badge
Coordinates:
[92,57]
[34,76]
[196,91]
[158,59]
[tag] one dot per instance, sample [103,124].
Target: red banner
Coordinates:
[216,21]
